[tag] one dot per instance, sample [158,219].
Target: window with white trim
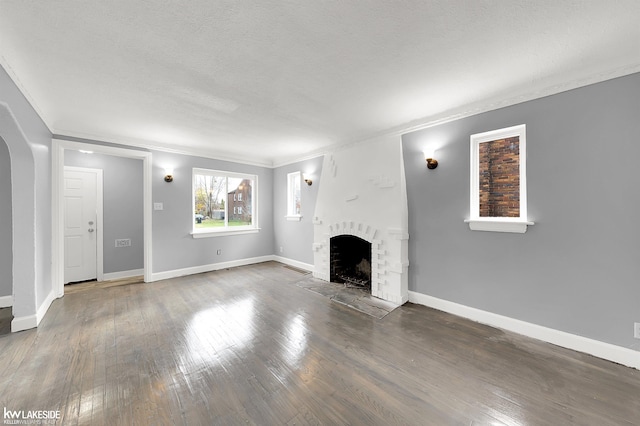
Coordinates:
[293,196]
[223,202]
[498,193]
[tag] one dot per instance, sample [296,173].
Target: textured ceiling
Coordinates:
[267,82]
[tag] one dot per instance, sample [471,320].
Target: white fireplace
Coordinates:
[362,193]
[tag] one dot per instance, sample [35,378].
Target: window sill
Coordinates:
[223,233]
[294,218]
[499,225]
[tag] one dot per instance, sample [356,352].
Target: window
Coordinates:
[223,202]
[498,200]
[293,196]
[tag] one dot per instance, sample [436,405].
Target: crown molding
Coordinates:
[470,110]
[21,87]
[499,102]
[145,145]
[465,111]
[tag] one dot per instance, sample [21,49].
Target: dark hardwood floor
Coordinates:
[247,346]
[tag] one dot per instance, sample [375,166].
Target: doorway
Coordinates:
[58,152]
[82,224]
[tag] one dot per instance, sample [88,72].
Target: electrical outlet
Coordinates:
[219,251]
[124,242]
[158,206]
[281,249]
[636,330]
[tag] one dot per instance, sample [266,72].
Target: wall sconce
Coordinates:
[307,179]
[432,163]
[168,175]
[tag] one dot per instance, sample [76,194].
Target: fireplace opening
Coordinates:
[351,261]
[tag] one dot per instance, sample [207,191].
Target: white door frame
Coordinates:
[99,217]
[57,200]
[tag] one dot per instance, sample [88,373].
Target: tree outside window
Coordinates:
[222,200]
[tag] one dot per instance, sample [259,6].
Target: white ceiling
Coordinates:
[271,81]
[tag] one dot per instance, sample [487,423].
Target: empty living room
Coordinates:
[319,213]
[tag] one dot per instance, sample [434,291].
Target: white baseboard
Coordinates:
[208,268]
[295,263]
[31,321]
[6,301]
[45,306]
[231,264]
[122,274]
[23,323]
[607,351]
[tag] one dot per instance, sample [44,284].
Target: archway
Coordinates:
[6,231]
[23,198]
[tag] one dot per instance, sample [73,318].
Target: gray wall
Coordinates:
[295,238]
[577,269]
[173,246]
[123,207]
[37,157]
[6,240]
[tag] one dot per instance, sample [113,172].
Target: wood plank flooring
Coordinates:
[247,346]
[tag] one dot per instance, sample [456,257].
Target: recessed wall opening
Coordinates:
[351,261]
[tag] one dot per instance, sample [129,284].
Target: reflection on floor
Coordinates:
[247,346]
[358,299]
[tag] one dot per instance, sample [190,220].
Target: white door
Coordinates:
[80,223]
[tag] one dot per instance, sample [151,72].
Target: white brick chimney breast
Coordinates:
[363,193]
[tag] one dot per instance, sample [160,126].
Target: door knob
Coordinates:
[90,229]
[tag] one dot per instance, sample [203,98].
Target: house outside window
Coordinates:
[240,199]
[223,202]
[293,196]
[498,193]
